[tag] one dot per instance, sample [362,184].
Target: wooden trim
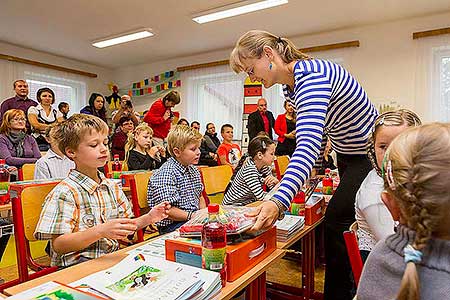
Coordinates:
[48,66]
[427,33]
[331,46]
[308,49]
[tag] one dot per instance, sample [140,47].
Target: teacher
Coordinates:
[330,104]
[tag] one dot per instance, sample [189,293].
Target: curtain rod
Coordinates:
[427,33]
[308,49]
[48,66]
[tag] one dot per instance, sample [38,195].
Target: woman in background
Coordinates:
[96,107]
[285,129]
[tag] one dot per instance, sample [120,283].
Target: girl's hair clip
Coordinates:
[381,122]
[263,144]
[390,176]
[279,40]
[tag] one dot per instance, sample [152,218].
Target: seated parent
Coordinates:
[16,146]
[119,138]
[96,107]
[43,115]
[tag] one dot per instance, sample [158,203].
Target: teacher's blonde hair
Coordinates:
[252,43]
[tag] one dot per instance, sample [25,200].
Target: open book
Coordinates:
[146,277]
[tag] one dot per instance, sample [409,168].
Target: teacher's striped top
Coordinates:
[329,102]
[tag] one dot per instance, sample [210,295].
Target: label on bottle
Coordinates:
[214,259]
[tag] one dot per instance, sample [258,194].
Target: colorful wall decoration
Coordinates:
[154,85]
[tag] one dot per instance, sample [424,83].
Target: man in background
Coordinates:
[260,120]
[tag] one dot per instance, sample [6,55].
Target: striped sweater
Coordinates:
[331,104]
[247,185]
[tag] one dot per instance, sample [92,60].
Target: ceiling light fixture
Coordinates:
[123,38]
[242,7]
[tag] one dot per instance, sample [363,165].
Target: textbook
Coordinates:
[54,290]
[146,277]
[289,226]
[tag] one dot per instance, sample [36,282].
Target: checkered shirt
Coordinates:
[178,184]
[76,204]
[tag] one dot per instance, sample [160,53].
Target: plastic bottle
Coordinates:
[116,167]
[298,204]
[4,182]
[214,242]
[327,183]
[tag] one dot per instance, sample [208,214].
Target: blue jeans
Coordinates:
[171,227]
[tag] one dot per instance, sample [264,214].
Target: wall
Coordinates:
[98,84]
[385,63]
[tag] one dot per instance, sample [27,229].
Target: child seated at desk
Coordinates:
[54,164]
[142,154]
[414,262]
[254,170]
[86,213]
[228,152]
[178,181]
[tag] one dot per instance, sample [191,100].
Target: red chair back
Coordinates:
[354,255]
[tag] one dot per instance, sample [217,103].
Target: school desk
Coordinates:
[254,279]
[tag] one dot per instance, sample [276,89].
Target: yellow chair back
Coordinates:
[28,171]
[281,164]
[141,186]
[32,199]
[215,180]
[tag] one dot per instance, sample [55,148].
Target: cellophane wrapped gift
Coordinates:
[234,217]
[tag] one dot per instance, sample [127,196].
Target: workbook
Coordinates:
[146,277]
[54,290]
[289,226]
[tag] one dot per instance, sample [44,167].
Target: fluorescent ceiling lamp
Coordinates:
[127,37]
[236,9]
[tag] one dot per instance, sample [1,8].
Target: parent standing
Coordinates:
[42,116]
[96,107]
[260,120]
[159,116]
[285,129]
[328,102]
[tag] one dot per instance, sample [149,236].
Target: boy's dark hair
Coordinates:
[173,97]
[195,122]
[62,105]
[123,120]
[222,129]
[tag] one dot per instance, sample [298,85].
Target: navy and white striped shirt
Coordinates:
[329,102]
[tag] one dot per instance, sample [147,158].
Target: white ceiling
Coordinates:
[67,27]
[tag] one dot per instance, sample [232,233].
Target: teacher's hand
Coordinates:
[266,213]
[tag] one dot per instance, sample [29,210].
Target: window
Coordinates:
[67,90]
[441,85]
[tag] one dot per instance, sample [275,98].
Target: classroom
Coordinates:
[125,124]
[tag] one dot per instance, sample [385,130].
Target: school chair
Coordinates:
[26,172]
[27,199]
[215,181]
[351,243]
[138,189]
[281,164]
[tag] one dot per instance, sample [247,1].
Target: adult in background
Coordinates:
[19,101]
[183,122]
[64,108]
[120,137]
[196,125]
[328,102]
[160,115]
[208,147]
[285,129]
[126,110]
[16,146]
[42,116]
[260,120]
[96,107]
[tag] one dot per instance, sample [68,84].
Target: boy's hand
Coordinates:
[159,212]
[117,229]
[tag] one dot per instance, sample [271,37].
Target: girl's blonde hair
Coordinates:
[416,171]
[131,141]
[5,127]
[397,117]
[252,43]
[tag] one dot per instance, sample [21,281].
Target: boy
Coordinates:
[178,181]
[85,214]
[54,164]
[228,152]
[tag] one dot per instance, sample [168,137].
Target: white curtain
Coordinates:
[216,95]
[432,78]
[68,87]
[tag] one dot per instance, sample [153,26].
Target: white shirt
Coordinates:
[39,111]
[374,219]
[51,166]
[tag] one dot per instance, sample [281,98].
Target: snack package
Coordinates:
[232,216]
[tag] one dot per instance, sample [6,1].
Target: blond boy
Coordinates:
[178,181]
[85,214]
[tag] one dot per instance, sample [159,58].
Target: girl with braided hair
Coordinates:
[374,220]
[414,262]
[253,170]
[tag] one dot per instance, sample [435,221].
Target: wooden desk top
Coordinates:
[5,207]
[79,271]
